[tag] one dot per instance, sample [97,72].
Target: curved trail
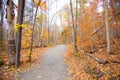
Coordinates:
[52,66]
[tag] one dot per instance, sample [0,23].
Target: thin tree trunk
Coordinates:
[48,26]
[76,47]
[107,27]
[2,19]
[100,61]
[40,37]
[40,32]
[74,29]
[11,40]
[80,2]
[19,33]
[91,44]
[31,45]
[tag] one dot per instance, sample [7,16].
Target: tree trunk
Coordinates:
[100,61]
[2,19]
[31,45]
[21,5]
[80,4]
[39,33]
[40,37]
[48,38]
[74,29]
[11,40]
[107,27]
[76,25]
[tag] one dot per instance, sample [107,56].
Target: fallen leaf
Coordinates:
[39,77]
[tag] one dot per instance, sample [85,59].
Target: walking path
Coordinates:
[51,67]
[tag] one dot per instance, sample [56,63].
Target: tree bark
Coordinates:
[107,27]
[76,25]
[40,33]
[2,19]
[80,29]
[21,5]
[48,38]
[31,45]
[74,29]
[11,40]
[40,37]
[95,58]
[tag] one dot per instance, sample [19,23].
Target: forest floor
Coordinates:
[7,73]
[82,67]
[54,64]
[49,66]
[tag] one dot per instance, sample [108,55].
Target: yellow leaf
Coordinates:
[43,5]
[16,27]
[23,25]
[36,2]
[71,72]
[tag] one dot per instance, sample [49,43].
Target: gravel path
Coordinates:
[52,66]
